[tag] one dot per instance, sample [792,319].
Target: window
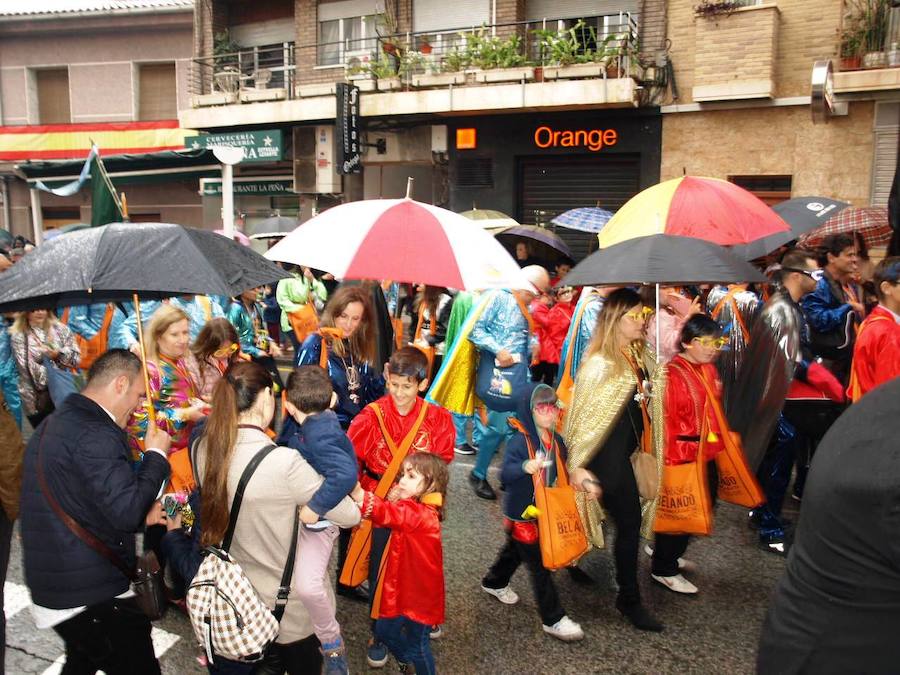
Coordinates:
[157,98]
[53,96]
[340,37]
[771,189]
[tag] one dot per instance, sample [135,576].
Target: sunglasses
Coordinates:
[547,408]
[815,275]
[711,343]
[226,351]
[640,314]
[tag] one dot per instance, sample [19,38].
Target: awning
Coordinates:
[150,167]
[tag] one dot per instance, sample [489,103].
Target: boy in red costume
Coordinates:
[876,355]
[413,426]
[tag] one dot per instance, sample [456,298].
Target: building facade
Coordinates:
[114,74]
[741,105]
[496,104]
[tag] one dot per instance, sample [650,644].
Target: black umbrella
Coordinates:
[113,262]
[661,259]
[803,214]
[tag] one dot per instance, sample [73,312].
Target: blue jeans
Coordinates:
[408,641]
[496,431]
[460,422]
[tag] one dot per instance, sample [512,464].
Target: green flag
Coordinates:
[104,202]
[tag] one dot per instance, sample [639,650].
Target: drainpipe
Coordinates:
[493,18]
[4,194]
[37,217]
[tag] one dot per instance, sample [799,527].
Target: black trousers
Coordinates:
[621,501]
[510,557]
[112,636]
[6,530]
[545,372]
[668,548]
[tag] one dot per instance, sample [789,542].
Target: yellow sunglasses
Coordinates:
[711,343]
[226,351]
[640,314]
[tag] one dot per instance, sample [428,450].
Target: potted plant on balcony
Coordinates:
[570,53]
[384,71]
[873,17]
[851,47]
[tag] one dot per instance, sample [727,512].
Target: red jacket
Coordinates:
[541,315]
[685,406]
[412,584]
[876,355]
[557,327]
[436,435]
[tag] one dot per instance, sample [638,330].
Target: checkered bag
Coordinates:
[229,617]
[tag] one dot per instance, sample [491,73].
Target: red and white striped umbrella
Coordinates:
[402,240]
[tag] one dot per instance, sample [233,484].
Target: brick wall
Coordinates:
[652,27]
[778,40]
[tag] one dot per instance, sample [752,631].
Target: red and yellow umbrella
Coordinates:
[704,208]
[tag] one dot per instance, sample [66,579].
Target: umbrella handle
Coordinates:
[151,411]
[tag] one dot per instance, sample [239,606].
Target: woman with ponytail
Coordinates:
[242,408]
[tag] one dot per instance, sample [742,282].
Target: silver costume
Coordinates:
[747,304]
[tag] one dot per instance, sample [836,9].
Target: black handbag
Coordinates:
[146,577]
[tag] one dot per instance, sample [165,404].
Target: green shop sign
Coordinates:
[258,146]
[258,186]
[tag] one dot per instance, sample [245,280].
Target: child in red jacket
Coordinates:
[409,596]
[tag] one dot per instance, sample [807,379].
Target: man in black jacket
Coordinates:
[83,454]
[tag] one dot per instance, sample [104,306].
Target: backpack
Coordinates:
[228,616]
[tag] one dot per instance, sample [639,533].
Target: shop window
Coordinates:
[342,39]
[53,96]
[157,97]
[770,189]
[475,172]
[57,216]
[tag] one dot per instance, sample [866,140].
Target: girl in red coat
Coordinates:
[558,321]
[687,415]
[409,596]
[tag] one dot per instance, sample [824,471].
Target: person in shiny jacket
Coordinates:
[409,597]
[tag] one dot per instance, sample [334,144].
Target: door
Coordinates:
[547,186]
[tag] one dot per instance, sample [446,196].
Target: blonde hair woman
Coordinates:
[175,396]
[606,423]
[34,335]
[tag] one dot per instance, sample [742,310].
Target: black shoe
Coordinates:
[484,490]
[358,593]
[465,449]
[579,576]
[473,479]
[639,617]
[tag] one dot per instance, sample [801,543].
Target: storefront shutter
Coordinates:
[548,186]
[887,135]
[438,15]
[535,10]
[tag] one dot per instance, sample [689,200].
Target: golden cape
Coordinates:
[598,400]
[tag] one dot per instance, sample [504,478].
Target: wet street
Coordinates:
[713,632]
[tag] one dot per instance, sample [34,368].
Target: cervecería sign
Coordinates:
[258,146]
[592,139]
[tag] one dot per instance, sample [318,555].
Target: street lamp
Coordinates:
[228,156]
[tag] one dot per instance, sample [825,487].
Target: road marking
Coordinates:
[162,642]
[15,598]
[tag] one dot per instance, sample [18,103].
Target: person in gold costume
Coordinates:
[608,421]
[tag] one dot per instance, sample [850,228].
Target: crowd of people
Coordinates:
[587,388]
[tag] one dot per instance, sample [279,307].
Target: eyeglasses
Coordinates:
[815,275]
[640,314]
[226,351]
[547,408]
[711,343]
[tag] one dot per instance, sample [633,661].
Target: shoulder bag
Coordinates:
[146,577]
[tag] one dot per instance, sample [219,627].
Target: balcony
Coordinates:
[735,54]
[870,49]
[554,63]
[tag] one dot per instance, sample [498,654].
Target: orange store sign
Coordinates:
[592,139]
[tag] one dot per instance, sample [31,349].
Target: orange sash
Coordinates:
[356,565]
[729,298]
[567,383]
[427,351]
[91,349]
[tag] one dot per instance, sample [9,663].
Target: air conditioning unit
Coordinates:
[356,64]
[314,169]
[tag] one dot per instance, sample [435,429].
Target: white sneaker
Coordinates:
[684,564]
[506,595]
[437,632]
[676,583]
[565,629]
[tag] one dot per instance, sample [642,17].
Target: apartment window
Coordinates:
[340,38]
[53,96]
[157,97]
[770,189]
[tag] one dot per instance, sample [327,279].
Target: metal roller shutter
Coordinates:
[550,185]
[535,10]
[887,134]
[439,15]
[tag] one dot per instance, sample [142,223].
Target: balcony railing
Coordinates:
[608,44]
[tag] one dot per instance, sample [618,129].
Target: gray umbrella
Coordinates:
[661,259]
[113,262]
